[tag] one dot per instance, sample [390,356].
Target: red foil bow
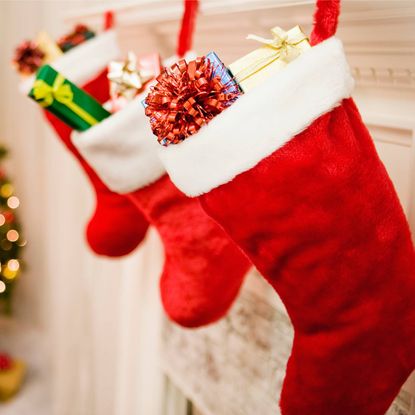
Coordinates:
[185,97]
[28,57]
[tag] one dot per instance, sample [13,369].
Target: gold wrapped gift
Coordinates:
[275,54]
[11,380]
[48,47]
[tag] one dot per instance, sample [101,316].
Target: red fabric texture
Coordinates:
[187,28]
[321,221]
[116,227]
[325,20]
[203,268]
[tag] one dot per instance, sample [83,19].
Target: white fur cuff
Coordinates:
[83,62]
[261,121]
[122,149]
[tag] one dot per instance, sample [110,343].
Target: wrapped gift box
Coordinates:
[11,379]
[80,34]
[255,67]
[131,77]
[65,100]
[224,73]
[187,96]
[48,46]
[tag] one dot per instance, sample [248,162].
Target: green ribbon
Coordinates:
[46,94]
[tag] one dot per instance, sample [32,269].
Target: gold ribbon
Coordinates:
[126,78]
[286,47]
[61,92]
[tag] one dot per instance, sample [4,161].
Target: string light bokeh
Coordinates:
[11,241]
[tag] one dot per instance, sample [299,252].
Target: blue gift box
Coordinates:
[224,73]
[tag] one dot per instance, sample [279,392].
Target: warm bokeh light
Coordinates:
[8,273]
[12,235]
[13,202]
[2,220]
[2,287]
[6,190]
[13,265]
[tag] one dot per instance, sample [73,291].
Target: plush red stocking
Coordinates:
[203,268]
[116,227]
[292,175]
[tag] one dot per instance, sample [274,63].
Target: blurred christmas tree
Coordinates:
[11,242]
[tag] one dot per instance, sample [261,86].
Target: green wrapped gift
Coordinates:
[69,103]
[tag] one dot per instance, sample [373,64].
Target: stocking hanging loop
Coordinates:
[109,20]
[187,27]
[326,18]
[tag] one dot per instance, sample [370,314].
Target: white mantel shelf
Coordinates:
[379,36]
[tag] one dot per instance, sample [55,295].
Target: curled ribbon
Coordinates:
[28,57]
[126,79]
[286,47]
[185,97]
[46,94]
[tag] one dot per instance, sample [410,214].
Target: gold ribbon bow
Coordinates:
[126,78]
[284,43]
[285,46]
[61,92]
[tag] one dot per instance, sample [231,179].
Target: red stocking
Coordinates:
[116,227]
[292,175]
[203,268]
